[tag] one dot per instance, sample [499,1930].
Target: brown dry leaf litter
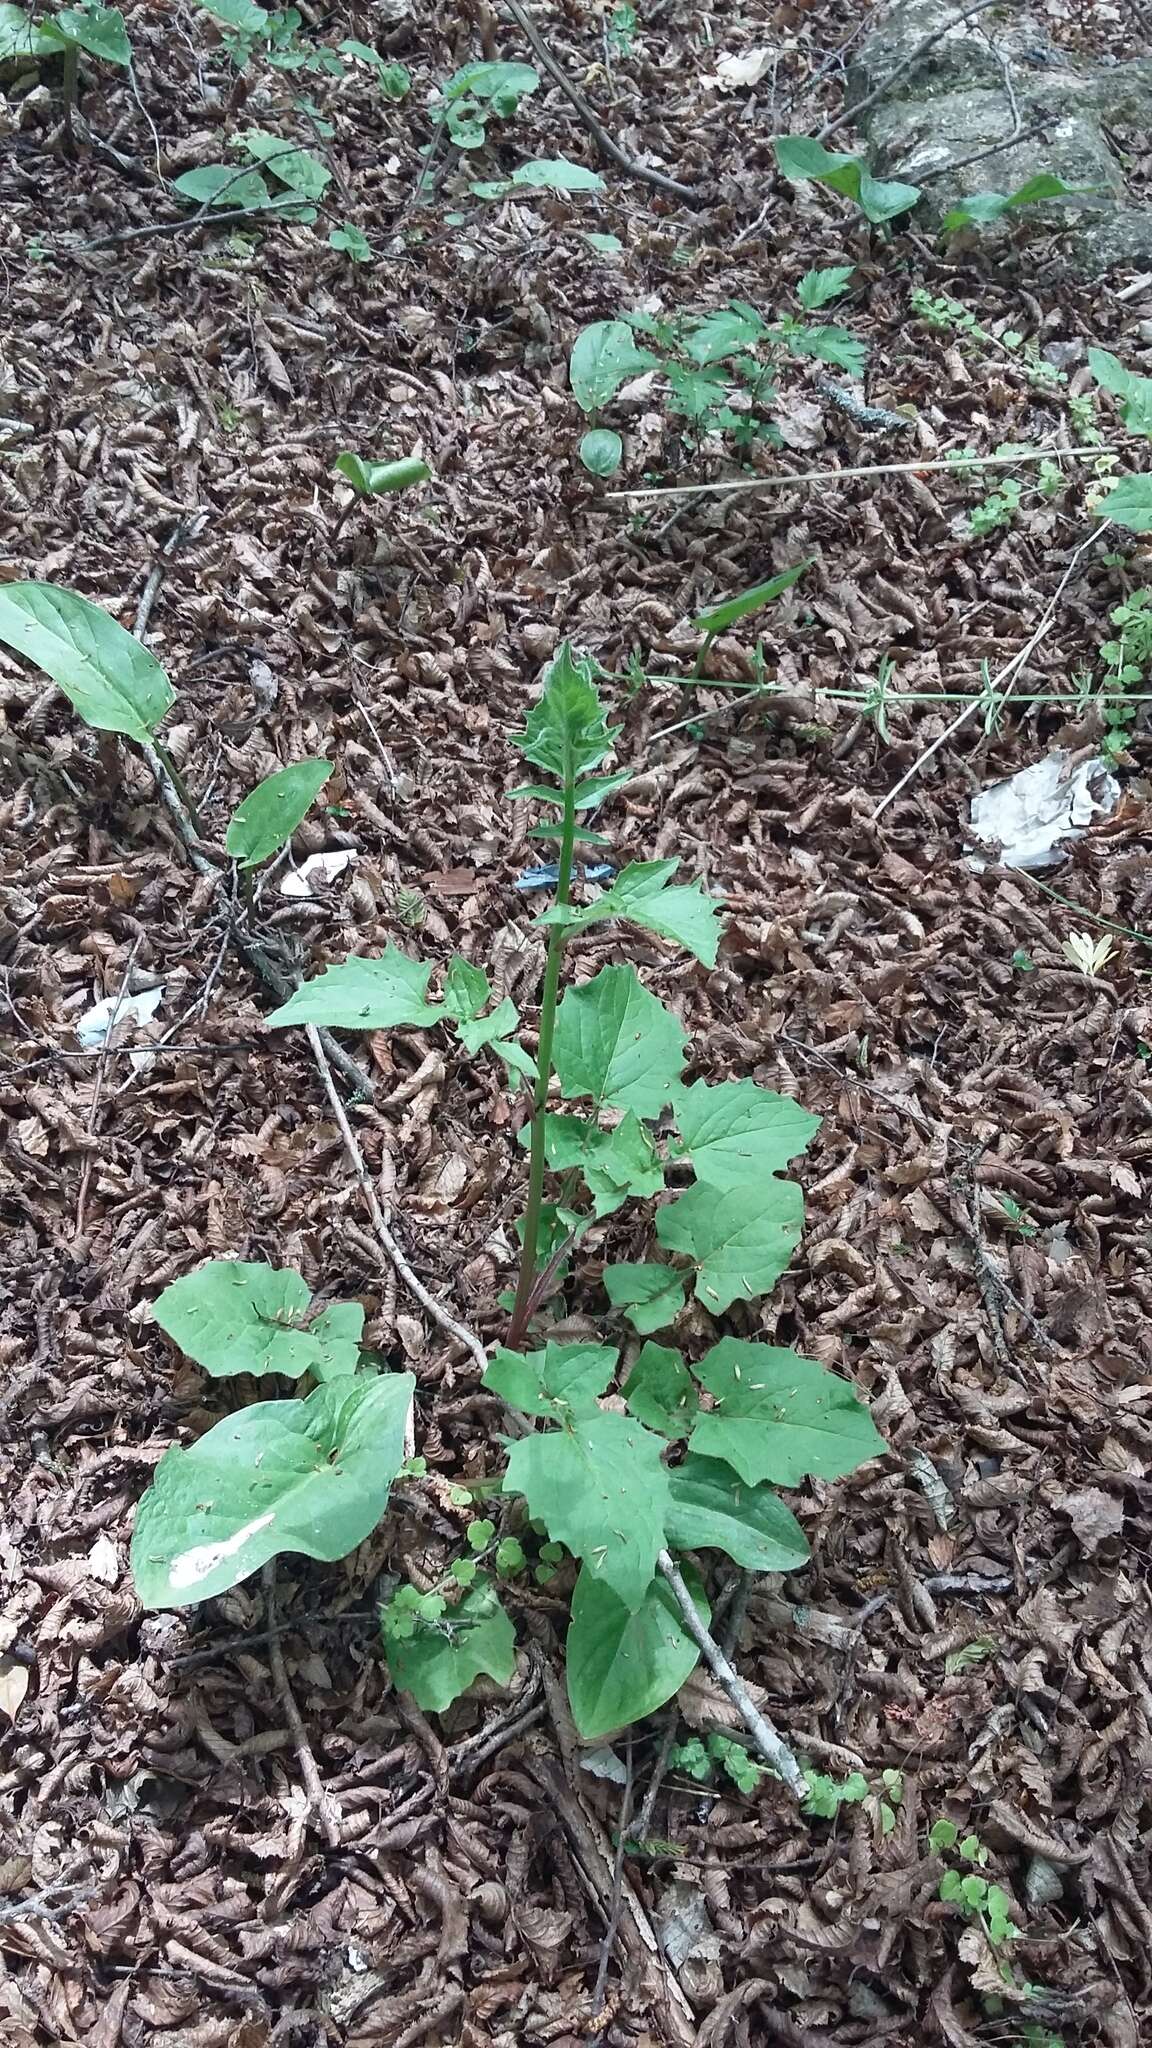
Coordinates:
[976,1614]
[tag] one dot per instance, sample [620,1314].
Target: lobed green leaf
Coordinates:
[712,1510]
[600,1487]
[364,995]
[616,1043]
[651,1296]
[659,1390]
[740,1238]
[779,1417]
[232,1317]
[642,895]
[440,1659]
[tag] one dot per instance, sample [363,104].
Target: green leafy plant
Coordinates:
[803,159]
[98,32]
[543,174]
[351,242]
[980,209]
[394,80]
[988,1904]
[1127,658]
[620,28]
[377,479]
[717,370]
[692,1460]
[271,33]
[478,93]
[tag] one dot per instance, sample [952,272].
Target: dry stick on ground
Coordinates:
[439,1314]
[617,1898]
[880,92]
[98,1090]
[694,195]
[320,1806]
[1006,676]
[775,1752]
[836,476]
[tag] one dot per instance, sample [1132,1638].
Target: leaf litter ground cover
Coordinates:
[973,1617]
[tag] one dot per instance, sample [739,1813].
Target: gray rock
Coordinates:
[951,103]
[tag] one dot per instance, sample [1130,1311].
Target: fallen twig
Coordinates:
[98,1090]
[775,1752]
[320,1805]
[694,195]
[1005,677]
[40,1906]
[439,1314]
[836,476]
[881,91]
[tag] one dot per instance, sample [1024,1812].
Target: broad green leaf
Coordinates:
[266,819]
[721,616]
[394,80]
[489,81]
[660,1392]
[651,1296]
[477,1032]
[309,1476]
[560,1381]
[642,895]
[982,208]
[779,1416]
[242,14]
[566,732]
[713,1510]
[801,157]
[601,451]
[594,791]
[375,479]
[616,1043]
[297,168]
[601,1488]
[620,1665]
[1129,504]
[235,1317]
[740,1238]
[20,36]
[605,245]
[364,995]
[1135,392]
[99,30]
[604,357]
[543,174]
[467,990]
[350,242]
[819,287]
[222,185]
[736,1131]
[614,1164]
[440,1659]
[113,682]
[833,345]
[718,335]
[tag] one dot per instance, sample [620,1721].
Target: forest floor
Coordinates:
[976,1617]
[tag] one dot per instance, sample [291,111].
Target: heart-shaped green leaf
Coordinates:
[623,1665]
[364,995]
[235,1317]
[309,1476]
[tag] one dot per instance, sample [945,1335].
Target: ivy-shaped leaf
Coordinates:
[364,995]
[309,1476]
[235,1317]
[439,1660]
[601,1488]
[566,733]
[643,896]
[712,1510]
[651,1296]
[622,1665]
[779,1417]
[660,1391]
[614,1164]
[736,1132]
[297,168]
[561,1381]
[616,1043]
[740,1238]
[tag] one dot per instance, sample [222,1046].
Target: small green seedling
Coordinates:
[265,820]
[394,80]
[980,209]
[718,370]
[720,617]
[802,159]
[620,28]
[1017,1217]
[543,174]
[377,479]
[479,93]
[351,242]
[274,32]
[99,32]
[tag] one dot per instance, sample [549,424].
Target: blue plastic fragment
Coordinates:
[547,877]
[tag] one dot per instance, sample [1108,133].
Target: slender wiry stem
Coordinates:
[529,1254]
[178,784]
